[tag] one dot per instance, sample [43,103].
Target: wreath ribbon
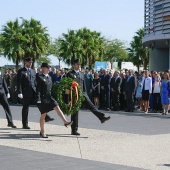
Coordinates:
[74,85]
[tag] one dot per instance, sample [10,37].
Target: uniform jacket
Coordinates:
[26,83]
[7,79]
[79,79]
[3,85]
[43,89]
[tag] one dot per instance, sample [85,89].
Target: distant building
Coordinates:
[157,33]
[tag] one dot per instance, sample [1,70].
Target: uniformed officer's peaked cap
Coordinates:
[45,65]
[75,61]
[29,59]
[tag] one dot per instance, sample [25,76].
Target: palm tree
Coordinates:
[139,54]
[70,46]
[83,44]
[91,46]
[12,41]
[1,53]
[38,39]
[29,39]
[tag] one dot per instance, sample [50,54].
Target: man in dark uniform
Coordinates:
[26,87]
[7,76]
[13,86]
[79,76]
[4,94]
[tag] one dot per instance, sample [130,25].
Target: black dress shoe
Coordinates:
[105,119]
[43,136]
[11,125]
[47,119]
[26,127]
[75,133]
[68,124]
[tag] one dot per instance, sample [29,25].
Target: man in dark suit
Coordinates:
[62,74]
[129,91]
[75,73]
[101,100]
[116,82]
[26,87]
[4,94]
[105,86]
[122,96]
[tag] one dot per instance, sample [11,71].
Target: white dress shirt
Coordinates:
[148,84]
[157,87]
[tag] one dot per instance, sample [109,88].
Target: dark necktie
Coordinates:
[144,84]
[29,71]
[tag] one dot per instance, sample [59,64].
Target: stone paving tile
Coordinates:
[16,159]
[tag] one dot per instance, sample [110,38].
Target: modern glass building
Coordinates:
[157,33]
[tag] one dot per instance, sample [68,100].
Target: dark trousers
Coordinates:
[130,101]
[5,105]
[26,102]
[107,98]
[102,99]
[157,101]
[122,101]
[89,105]
[74,118]
[116,100]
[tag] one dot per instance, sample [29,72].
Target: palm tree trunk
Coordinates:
[17,64]
[145,65]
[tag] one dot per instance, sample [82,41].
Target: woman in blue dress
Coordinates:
[138,92]
[165,86]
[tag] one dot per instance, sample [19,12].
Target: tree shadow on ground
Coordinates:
[68,136]
[145,115]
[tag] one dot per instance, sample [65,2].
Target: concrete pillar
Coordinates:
[159,59]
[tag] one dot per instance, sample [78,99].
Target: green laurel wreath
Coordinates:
[58,91]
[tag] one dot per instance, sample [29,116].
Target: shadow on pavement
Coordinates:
[147,115]
[17,129]
[68,136]
[23,136]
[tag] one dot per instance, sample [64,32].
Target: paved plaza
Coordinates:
[128,141]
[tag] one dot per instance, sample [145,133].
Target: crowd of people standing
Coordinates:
[113,90]
[127,90]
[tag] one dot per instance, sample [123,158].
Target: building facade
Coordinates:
[157,33]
